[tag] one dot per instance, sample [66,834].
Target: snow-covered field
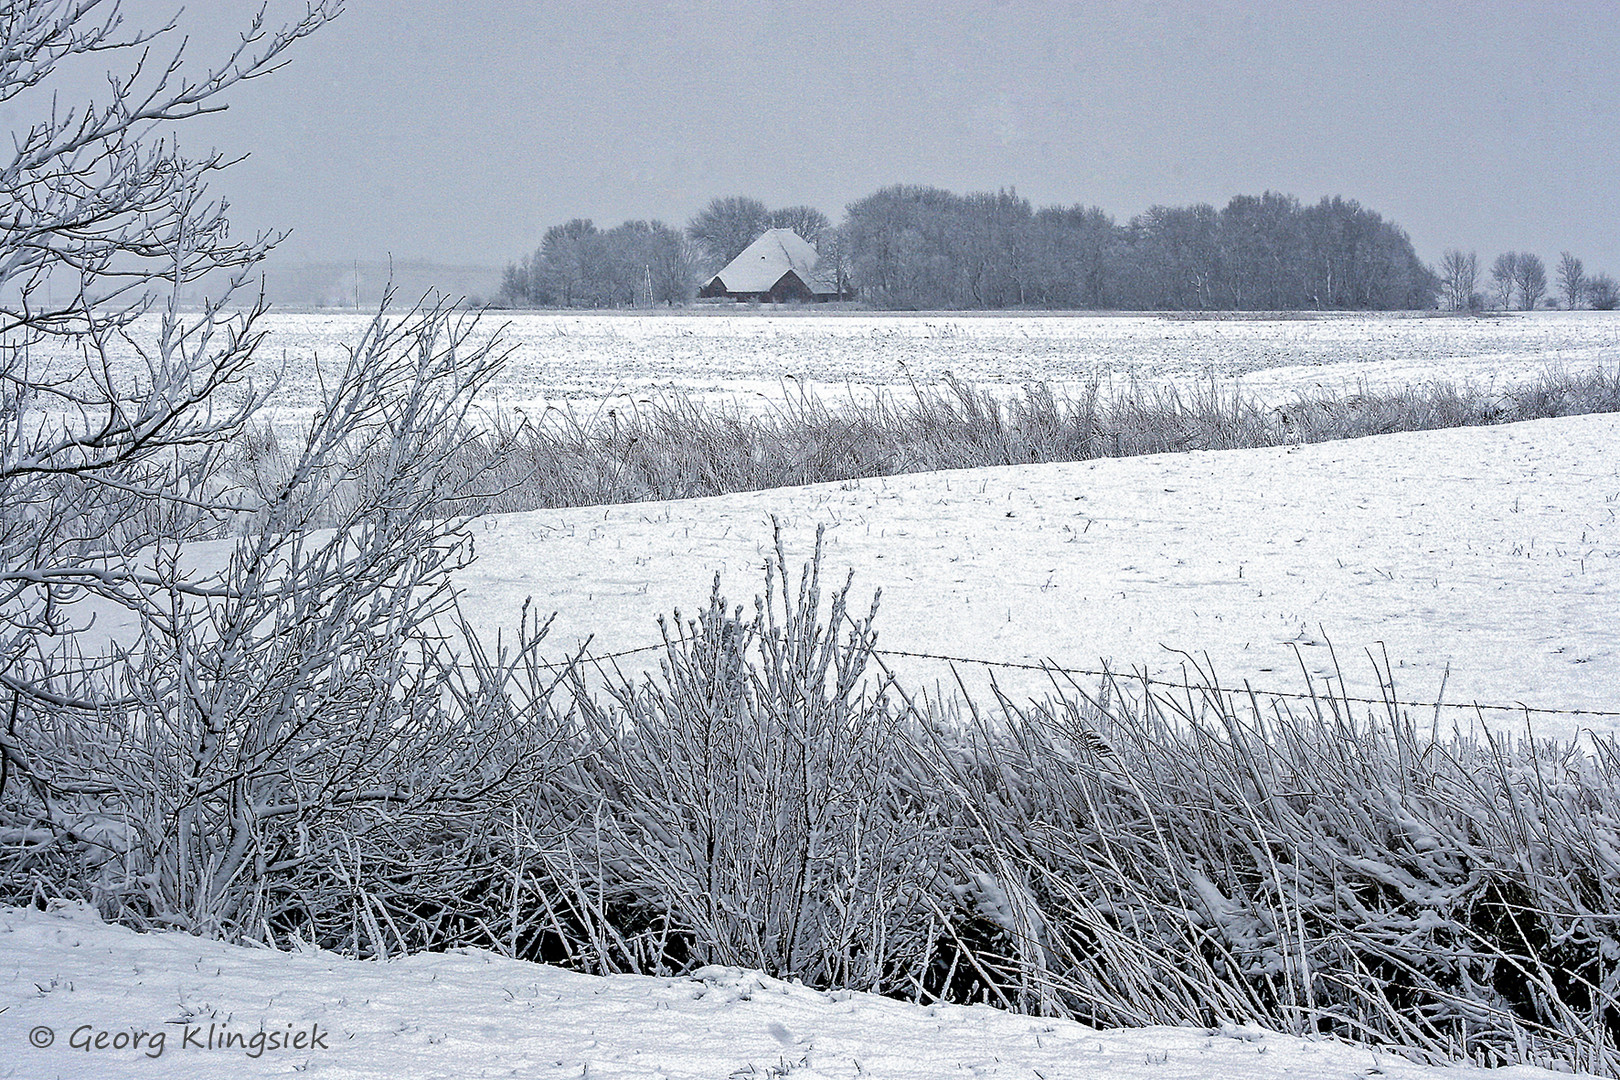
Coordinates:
[1484,559]
[76,993]
[1487,559]
[586,360]
[1491,553]
[575,359]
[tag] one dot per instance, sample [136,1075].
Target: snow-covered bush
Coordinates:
[743,801]
[1175,858]
[272,742]
[275,746]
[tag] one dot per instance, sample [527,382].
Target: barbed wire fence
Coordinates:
[1201,685]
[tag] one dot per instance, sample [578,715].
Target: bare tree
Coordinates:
[254,712]
[1602,293]
[672,266]
[1571,280]
[1504,276]
[726,226]
[807,221]
[1530,275]
[110,443]
[833,248]
[1458,275]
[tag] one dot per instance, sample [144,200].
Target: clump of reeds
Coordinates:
[673,446]
[741,806]
[1121,854]
[1147,857]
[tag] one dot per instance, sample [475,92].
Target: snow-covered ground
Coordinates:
[75,994]
[1491,553]
[580,359]
[587,360]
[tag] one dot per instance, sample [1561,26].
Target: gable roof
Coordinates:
[764,262]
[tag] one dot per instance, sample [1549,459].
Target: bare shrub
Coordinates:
[276,726]
[742,800]
[102,215]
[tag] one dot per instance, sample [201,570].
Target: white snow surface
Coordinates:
[1487,558]
[67,978]
[583,361]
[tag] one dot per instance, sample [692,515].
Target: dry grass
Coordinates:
[1119,854]
[673,446]
[1139,857]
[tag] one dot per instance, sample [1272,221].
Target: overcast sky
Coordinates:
[457,131]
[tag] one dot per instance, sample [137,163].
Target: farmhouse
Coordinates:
[778,267]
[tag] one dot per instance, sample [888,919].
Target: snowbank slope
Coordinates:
[66,978]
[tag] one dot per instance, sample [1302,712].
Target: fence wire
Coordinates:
[1202,686]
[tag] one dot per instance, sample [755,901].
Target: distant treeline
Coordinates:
[911,247]
[638,264]
[917,247]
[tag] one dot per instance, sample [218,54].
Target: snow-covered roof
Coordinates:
[762,264]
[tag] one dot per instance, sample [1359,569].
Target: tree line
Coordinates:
[913,247]
[1519,279]
[637,264]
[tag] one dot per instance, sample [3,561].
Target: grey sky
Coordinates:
[459,131]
